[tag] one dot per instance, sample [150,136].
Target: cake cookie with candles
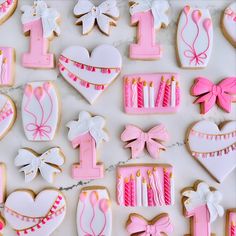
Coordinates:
[7,114]
[228,23]
[31,163]
[147,185]
[214,147]
[7,8]
[94,214]
[90,74]
[151,93]
[138,139]
[7,66]
[231,222]
[194,37]
[137,225]
[35,215]
[104,15]
[202,205]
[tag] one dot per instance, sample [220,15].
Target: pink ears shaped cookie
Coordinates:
[208,94]
[90,74]
[7,8]
[35,215]
[194,37]
[138,139]
[104,15]
[231,222]
[137,225]
[213,147]
[202,203]
[94,213]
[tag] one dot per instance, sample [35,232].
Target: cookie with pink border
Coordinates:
[231,222]
[7,8]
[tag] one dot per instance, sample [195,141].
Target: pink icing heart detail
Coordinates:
[196,16]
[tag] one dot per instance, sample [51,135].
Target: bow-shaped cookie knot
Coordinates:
[138,140]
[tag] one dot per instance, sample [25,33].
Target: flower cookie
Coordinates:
[138,139]
[137,225]
[40,111]
[105,15]
[87,133]
[202,203]
[48,163]
[194,37]
[7,8]
[145,185]
[34,215]
[7,114]
[214,147]
[229,23]
[231,222]
[90,74]
[94,214]
[41,23]
[7,66]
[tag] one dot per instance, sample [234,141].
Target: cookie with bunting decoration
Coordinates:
[7,8]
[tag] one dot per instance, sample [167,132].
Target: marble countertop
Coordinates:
[109,105]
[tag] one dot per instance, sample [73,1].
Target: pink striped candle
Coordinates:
[132,186]
[166,98]
[140,93]
[232,229]
[160,91]
[167,187]
[150,196]
[127,93]
[127,192]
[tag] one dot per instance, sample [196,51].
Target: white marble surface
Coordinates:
[187,170]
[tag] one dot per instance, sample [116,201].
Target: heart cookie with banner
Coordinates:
[90,74]
[7,8]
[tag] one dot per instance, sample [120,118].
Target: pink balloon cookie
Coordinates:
[138,139]
[40,111]
[149,17]
[231,222]
[7,8]
[34,215]
[94,214]
[210,94]
[214,147]
[41,23]
[7,66]
[145,185]
[90,74]
[202,204]
[151,93]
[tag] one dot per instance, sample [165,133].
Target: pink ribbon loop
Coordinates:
[138,139]
[210,94]
[39,130]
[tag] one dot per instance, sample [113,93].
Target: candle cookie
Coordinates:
[194,37]
[34,215]
[145,185]
[202,203]
[231,222]
[90,74]
[105,15]
[41,23]
[7,8]
[151,93]
[94,214]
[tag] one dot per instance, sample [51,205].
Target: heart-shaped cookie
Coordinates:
[7,114]
[213,147]
[7,8]
[90,74]
[35,216]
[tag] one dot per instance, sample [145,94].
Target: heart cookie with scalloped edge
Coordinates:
[213,147]
[7,8]
[90,74]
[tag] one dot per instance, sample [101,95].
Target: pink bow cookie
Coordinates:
[138,140]
[210,94]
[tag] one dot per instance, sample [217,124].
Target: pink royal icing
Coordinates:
[231,222]
[7,8]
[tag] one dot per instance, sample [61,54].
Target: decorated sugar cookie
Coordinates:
[149,15]
[145,185]
[104,15]
[34,215]
[90,74]
[194,37]
[7,8]
[138,139]
[40,111]
[214,147]
[7,66]
[202,203]
[2,184]
[231,222]
[48,163]
[41,23]
[229,23]
[7,114]
[137,225]
[94,214]
[210,94]
[87,133]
